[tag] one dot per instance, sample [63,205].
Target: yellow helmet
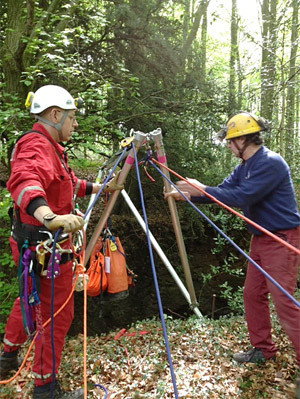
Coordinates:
[241,124]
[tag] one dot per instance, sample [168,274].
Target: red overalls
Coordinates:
[39,169]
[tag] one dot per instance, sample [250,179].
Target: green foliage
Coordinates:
[233,297]
[228,265]
[5,204]
[12,112]
[8,280]
[147,64]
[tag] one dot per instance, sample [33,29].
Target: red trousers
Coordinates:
[282,264]
[16,336]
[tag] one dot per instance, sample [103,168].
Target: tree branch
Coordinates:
[193,32]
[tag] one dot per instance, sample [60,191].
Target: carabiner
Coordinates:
[125,142]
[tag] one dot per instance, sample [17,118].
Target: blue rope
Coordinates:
[21,286]
[103,389]
[52,260]
[229,239]
[154,275]
[104,183]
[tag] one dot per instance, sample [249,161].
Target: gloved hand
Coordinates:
[113,185]
[69,223]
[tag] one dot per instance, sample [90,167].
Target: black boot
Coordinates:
[44,392]
[254,355]
[8,362]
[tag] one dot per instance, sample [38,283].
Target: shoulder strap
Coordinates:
[32,131]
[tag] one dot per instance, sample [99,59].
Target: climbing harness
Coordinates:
[55,254]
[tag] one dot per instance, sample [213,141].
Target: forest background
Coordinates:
[182,66]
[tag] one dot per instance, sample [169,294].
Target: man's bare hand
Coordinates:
[176,195]
[192,188]
[187,189]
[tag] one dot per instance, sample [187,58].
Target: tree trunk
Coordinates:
[203,49]
[268,65]
[186,19]
[194,29]
[290,99]
[233,59]
[22,29]
[13,47]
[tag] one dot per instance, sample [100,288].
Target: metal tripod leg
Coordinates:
[161,254]
[161,157]
[139,140]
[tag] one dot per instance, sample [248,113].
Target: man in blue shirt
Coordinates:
[261,186]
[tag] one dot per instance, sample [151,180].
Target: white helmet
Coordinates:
[50,96]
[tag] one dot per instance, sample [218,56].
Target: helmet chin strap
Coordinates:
[241,150]
[57,126]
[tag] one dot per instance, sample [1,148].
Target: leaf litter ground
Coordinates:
[132,364]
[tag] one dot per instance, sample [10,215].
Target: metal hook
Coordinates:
[63,250]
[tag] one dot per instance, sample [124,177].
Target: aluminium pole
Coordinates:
[92,197]
[156,135]
[107,164]
[139,139]
[161,254]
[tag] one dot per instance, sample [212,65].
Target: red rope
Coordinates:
[249,221]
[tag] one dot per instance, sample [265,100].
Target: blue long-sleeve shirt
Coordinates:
[262,187]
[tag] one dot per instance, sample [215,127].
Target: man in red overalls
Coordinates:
[42,187]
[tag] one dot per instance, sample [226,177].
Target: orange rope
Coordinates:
[82,270]
[257,226]
[36,334]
